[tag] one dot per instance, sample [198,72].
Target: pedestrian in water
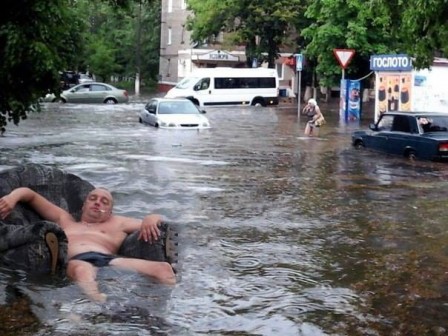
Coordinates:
[315,118]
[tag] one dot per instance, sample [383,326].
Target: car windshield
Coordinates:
[177,107]
[187,82]
[434,123]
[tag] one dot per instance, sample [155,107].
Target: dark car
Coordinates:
[68,79]
[421,135]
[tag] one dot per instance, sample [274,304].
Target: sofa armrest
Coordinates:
[164,249]
[39,247]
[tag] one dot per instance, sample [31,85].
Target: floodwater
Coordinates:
[279,234]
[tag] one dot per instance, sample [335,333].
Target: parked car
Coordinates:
[68,79]
[94,92]
[49,98]
[177,113]
[415,135]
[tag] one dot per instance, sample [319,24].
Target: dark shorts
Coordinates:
[313,124]
[95,258]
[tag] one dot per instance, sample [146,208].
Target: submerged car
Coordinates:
[177,113]
[415,135]
[94,92]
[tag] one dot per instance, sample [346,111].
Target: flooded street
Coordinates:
[280,234]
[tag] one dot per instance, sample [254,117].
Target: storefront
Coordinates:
[400,87]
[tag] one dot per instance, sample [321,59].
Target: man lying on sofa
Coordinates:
[94,241]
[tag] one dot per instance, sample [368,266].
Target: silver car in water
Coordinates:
[94,92]
[173,113]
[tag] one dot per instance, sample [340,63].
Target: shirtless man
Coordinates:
[94,241]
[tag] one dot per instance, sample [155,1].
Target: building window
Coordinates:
[280,70]
[170,6]
[168,67]
[170,33]
[182,34]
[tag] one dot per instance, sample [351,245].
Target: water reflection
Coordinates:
[281,235]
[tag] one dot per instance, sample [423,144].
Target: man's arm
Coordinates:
[40,204]
[149,227]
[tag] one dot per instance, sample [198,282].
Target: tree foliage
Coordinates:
[424,29]
[40,38]
[37,38]
[415,27]
[346,24]
[262,26]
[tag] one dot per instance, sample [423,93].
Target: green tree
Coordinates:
[37,38]
[415,27]
[121,41]
[365,26]
[424,29]
[262,26]
[102,60]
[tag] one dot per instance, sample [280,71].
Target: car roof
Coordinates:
[162,99]
[100,83]
[417,114]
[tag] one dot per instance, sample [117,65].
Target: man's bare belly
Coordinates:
[93,242]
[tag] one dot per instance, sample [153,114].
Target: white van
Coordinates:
[229,86]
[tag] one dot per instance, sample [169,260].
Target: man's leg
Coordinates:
[161,271]
[84,274]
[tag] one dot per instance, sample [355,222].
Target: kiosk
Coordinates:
[400,87]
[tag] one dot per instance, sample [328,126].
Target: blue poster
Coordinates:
[343,100]
[350,101]
[354,100]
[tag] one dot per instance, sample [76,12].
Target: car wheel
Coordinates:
[63,100]
[258,102]
[110,101]
[411,155]
[156,125]
[359,144]
[140,120]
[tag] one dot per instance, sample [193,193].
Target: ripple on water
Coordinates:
[335,299]
[285,276]
[271,223]
[176,159]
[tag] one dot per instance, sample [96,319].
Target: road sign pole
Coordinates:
[299,93]
[299,66]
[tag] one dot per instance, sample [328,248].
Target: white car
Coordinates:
[175,113]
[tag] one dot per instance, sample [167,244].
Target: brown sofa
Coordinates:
[30,243]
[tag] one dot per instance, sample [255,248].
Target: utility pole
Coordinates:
[138,49]
[299,67]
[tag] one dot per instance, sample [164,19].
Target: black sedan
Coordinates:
[421,135]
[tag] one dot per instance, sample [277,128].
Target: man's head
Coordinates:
[97,207]
[312,102]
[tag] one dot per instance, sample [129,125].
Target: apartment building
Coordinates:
[179,56]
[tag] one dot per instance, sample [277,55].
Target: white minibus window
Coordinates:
[186,83]
[203,84]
